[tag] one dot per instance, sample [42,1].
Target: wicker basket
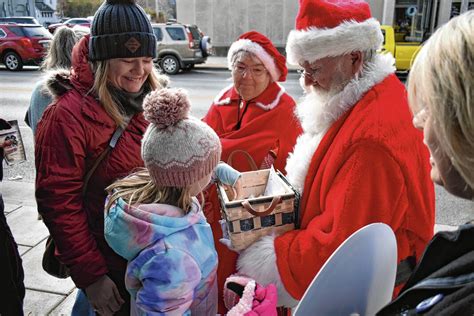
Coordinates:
[249,219]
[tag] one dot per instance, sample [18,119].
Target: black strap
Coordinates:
[113,141]
[240,118]
[404,270]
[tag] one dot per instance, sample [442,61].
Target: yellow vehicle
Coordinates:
[403,52]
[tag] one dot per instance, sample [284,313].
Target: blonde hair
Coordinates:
[442,79]
[60,52]
[100,87]
[139,188]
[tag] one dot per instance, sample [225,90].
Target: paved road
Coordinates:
[46,294]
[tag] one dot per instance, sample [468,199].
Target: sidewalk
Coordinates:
[45,295]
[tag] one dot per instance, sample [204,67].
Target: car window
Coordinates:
[158,34]
[195,32]
[16,30]
[383,33]
[36,32]
[2,33]
[176,33]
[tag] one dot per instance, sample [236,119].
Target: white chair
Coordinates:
[358,278]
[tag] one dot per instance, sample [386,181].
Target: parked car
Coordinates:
[22,44]
[180,46]
[70,23]
[403,52]
[19,20]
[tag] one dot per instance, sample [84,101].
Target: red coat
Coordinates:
[370,166]
[71,135]
[268,124]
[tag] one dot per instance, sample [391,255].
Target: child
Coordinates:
[154,220]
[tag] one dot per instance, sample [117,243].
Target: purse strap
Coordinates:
[113,141]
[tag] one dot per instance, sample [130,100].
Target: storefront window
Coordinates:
[414,20]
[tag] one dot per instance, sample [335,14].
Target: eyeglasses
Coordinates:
[308,74]
[256,72]
[420,118]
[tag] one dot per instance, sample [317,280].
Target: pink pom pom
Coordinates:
[166,107]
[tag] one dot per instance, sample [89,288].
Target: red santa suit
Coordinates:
[265,127]
[359,161]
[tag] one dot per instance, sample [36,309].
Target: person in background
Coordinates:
[12,288]
[154,220]
[59,57]
[441,94]
[254,115]
[359,160]
[112,71]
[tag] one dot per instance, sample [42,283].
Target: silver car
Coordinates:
[180,46]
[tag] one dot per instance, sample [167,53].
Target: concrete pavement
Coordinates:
[45,295]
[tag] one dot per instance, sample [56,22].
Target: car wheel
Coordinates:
[170,65]
[12,61]
[206,46]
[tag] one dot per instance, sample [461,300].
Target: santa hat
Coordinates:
[327,28]
[259,45]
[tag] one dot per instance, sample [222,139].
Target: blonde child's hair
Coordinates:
[139,188]
[442,79]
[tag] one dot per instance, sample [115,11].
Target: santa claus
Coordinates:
[359,159]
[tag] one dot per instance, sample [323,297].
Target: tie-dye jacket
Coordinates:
[172,260]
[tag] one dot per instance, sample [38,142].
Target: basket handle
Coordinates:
[251,210]
[250,160]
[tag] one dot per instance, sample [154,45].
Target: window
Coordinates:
[176,33]
[2,33]
[16,30]
[37,32]
[158,34]
[195,32]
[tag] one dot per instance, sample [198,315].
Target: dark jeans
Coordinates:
[12,289]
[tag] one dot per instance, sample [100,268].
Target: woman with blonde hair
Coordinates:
[59,57]
[89,137]
[441,94]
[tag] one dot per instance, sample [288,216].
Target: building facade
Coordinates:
[43,10]
[225,20]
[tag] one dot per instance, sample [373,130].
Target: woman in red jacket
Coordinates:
[255,115]
[112,72]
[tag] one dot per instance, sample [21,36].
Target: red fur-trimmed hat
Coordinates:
[327,28]
[259,45]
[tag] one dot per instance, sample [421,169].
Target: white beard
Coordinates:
[317,111]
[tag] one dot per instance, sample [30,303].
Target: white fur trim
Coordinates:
[245,303]
[350,36]
[317,117]
[254,48]
[275,102]
[259,262]
[217,99]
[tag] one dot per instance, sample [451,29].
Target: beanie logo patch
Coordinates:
[132,44]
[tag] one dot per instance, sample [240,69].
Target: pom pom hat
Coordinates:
[259,45]
[121,29]
[178,150]
[327,28]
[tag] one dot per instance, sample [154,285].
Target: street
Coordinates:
[203,84]
[45,293]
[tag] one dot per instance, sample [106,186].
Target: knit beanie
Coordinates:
[121,29]
[178,150]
